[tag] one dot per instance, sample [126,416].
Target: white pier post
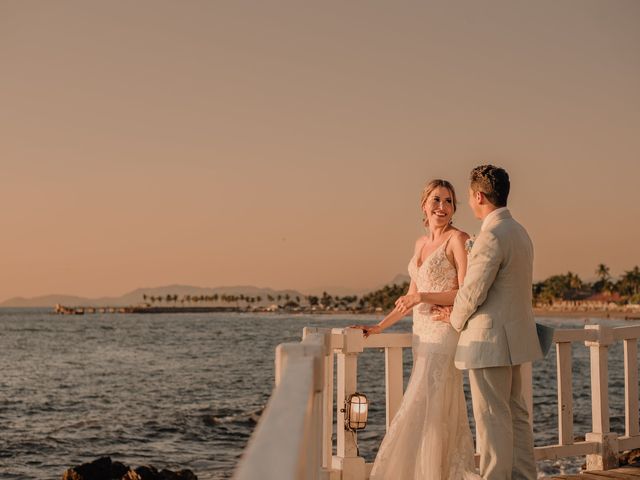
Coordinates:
[606,457]
[565,393]
[347,459]
[326,413]
[631,387]
[394,381]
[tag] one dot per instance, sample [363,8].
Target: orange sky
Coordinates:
[285,144]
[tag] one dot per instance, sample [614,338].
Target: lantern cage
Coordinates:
[356,409]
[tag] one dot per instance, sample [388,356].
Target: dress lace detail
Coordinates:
[429,438]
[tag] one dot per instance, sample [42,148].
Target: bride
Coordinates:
[429,437]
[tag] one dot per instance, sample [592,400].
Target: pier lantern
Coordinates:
[356,410]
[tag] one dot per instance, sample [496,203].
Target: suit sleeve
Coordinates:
[482,268]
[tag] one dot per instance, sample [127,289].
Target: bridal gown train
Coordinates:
[429,437]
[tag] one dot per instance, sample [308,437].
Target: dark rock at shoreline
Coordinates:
[149,472]
[101,469]
[104,469]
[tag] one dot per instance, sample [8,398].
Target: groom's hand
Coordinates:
[441,313]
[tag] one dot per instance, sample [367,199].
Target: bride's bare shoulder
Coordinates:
[459,237]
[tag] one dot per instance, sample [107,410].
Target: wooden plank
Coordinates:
[599,389]
[574,335]
[618,473]
[628,443]
[631,387]
[629,470]
[393,381]
[327,426]
[565,394]
[621,333]
[553,452]
[286,418]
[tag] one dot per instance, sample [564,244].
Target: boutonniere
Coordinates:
[468,245]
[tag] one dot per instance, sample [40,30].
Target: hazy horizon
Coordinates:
[286,145]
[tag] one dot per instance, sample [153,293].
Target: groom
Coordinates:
[493,312]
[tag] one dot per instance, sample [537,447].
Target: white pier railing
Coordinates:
[293,439]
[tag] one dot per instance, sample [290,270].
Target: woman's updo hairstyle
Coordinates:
[430,187]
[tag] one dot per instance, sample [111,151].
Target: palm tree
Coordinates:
[603,272]
[629,283]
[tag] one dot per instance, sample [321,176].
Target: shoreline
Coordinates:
[622,314]
[604,314]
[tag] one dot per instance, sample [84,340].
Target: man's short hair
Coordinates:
[493,182]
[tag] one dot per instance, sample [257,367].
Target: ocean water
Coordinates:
[185,391]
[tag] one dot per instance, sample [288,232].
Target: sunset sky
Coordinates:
[286,144]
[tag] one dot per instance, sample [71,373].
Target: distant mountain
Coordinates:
[44,301]
[136,296]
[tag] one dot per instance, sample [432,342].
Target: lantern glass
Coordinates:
[357,409]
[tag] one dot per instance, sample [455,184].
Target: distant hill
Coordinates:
[135,297]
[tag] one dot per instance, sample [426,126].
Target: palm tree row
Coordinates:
[194,299]
[569,286]
[326,301]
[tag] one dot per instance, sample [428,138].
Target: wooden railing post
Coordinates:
[326,413]
[565,393]
[394,381]
[631,387]
[606,457]
[347,459]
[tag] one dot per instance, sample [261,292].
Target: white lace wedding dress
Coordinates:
[429,438]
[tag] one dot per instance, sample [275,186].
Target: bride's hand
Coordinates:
[441,313]
[405,303]
[367,329]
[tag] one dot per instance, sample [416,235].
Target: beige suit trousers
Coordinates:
[503,433]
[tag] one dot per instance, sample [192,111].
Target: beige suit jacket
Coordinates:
[492,309]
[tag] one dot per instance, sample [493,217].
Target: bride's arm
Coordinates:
[392,317]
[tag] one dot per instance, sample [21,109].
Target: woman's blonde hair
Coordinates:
[430,187]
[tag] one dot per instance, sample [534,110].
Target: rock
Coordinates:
[179,475]
[148,472]
[104,469]
[99,469]
[118,470]
[151,473]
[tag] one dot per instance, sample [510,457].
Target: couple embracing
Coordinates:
[472,311]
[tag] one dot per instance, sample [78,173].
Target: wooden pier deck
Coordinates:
[629,473]
[294,439]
